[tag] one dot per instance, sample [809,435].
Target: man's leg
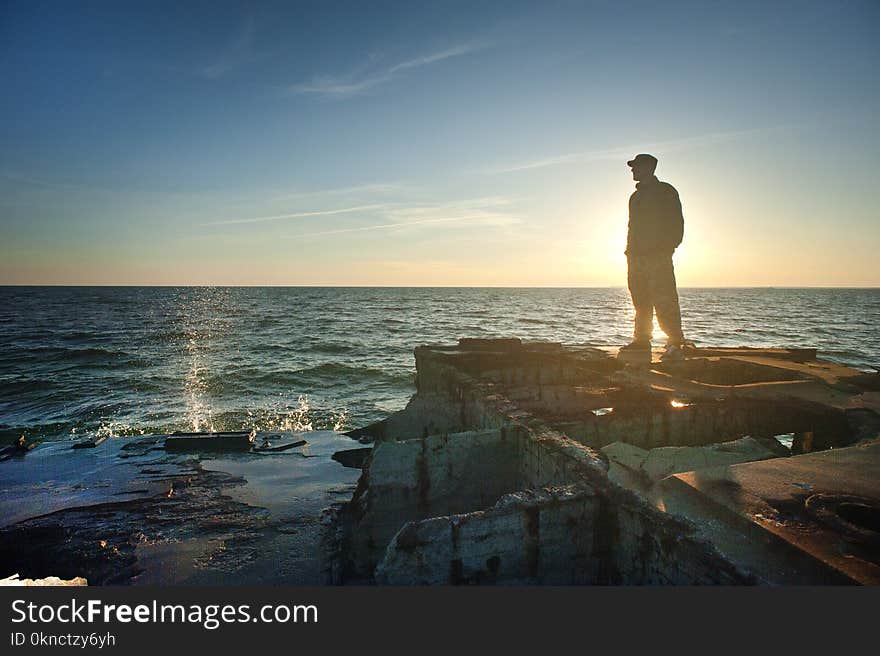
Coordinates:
[666,299]
[639,281]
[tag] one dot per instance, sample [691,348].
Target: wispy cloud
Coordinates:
[343,86]
[238,51]
[243,48]
[489,204]
[481,212]
[39,182]
[302,215]
[489,211]
[626,151]
[388,226]
[369,189]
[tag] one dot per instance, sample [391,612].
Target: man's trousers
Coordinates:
[651,280]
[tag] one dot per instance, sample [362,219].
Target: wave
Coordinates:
[90,355]
[332,348]
[25,385]
[229,382]
[336,372]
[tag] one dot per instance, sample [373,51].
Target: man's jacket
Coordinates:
[656,225]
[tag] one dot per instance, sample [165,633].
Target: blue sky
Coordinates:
[444,143]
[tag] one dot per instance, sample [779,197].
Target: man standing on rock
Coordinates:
[656,228]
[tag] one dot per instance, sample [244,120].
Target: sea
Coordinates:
[122,361]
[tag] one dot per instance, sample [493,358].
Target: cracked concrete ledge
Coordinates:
[495,473]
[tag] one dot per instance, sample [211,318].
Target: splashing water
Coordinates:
[115,429]
[340,420]
[282,416]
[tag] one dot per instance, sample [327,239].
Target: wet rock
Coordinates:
[353,458]
[19,448]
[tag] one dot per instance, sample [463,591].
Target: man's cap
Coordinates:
[642,158]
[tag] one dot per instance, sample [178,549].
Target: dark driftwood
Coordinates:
[90,444]
[283,447]
[227,441]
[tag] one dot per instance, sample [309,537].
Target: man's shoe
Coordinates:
[677,350]
[637,345]
[673,352]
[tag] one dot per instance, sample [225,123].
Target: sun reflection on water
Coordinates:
[205,318]
[199,412]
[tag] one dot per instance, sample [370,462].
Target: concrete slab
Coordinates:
[824,504]
[564,404]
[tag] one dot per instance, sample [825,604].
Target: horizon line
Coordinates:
[324,286]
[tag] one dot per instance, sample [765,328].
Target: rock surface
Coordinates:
[661,462]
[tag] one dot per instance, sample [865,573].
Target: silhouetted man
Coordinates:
[656,228]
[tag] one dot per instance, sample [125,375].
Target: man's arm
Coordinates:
[674,220]
[629,225]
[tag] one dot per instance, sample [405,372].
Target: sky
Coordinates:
[434,143]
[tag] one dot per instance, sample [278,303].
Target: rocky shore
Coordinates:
[514,463]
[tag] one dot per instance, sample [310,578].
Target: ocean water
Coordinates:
[126,360]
